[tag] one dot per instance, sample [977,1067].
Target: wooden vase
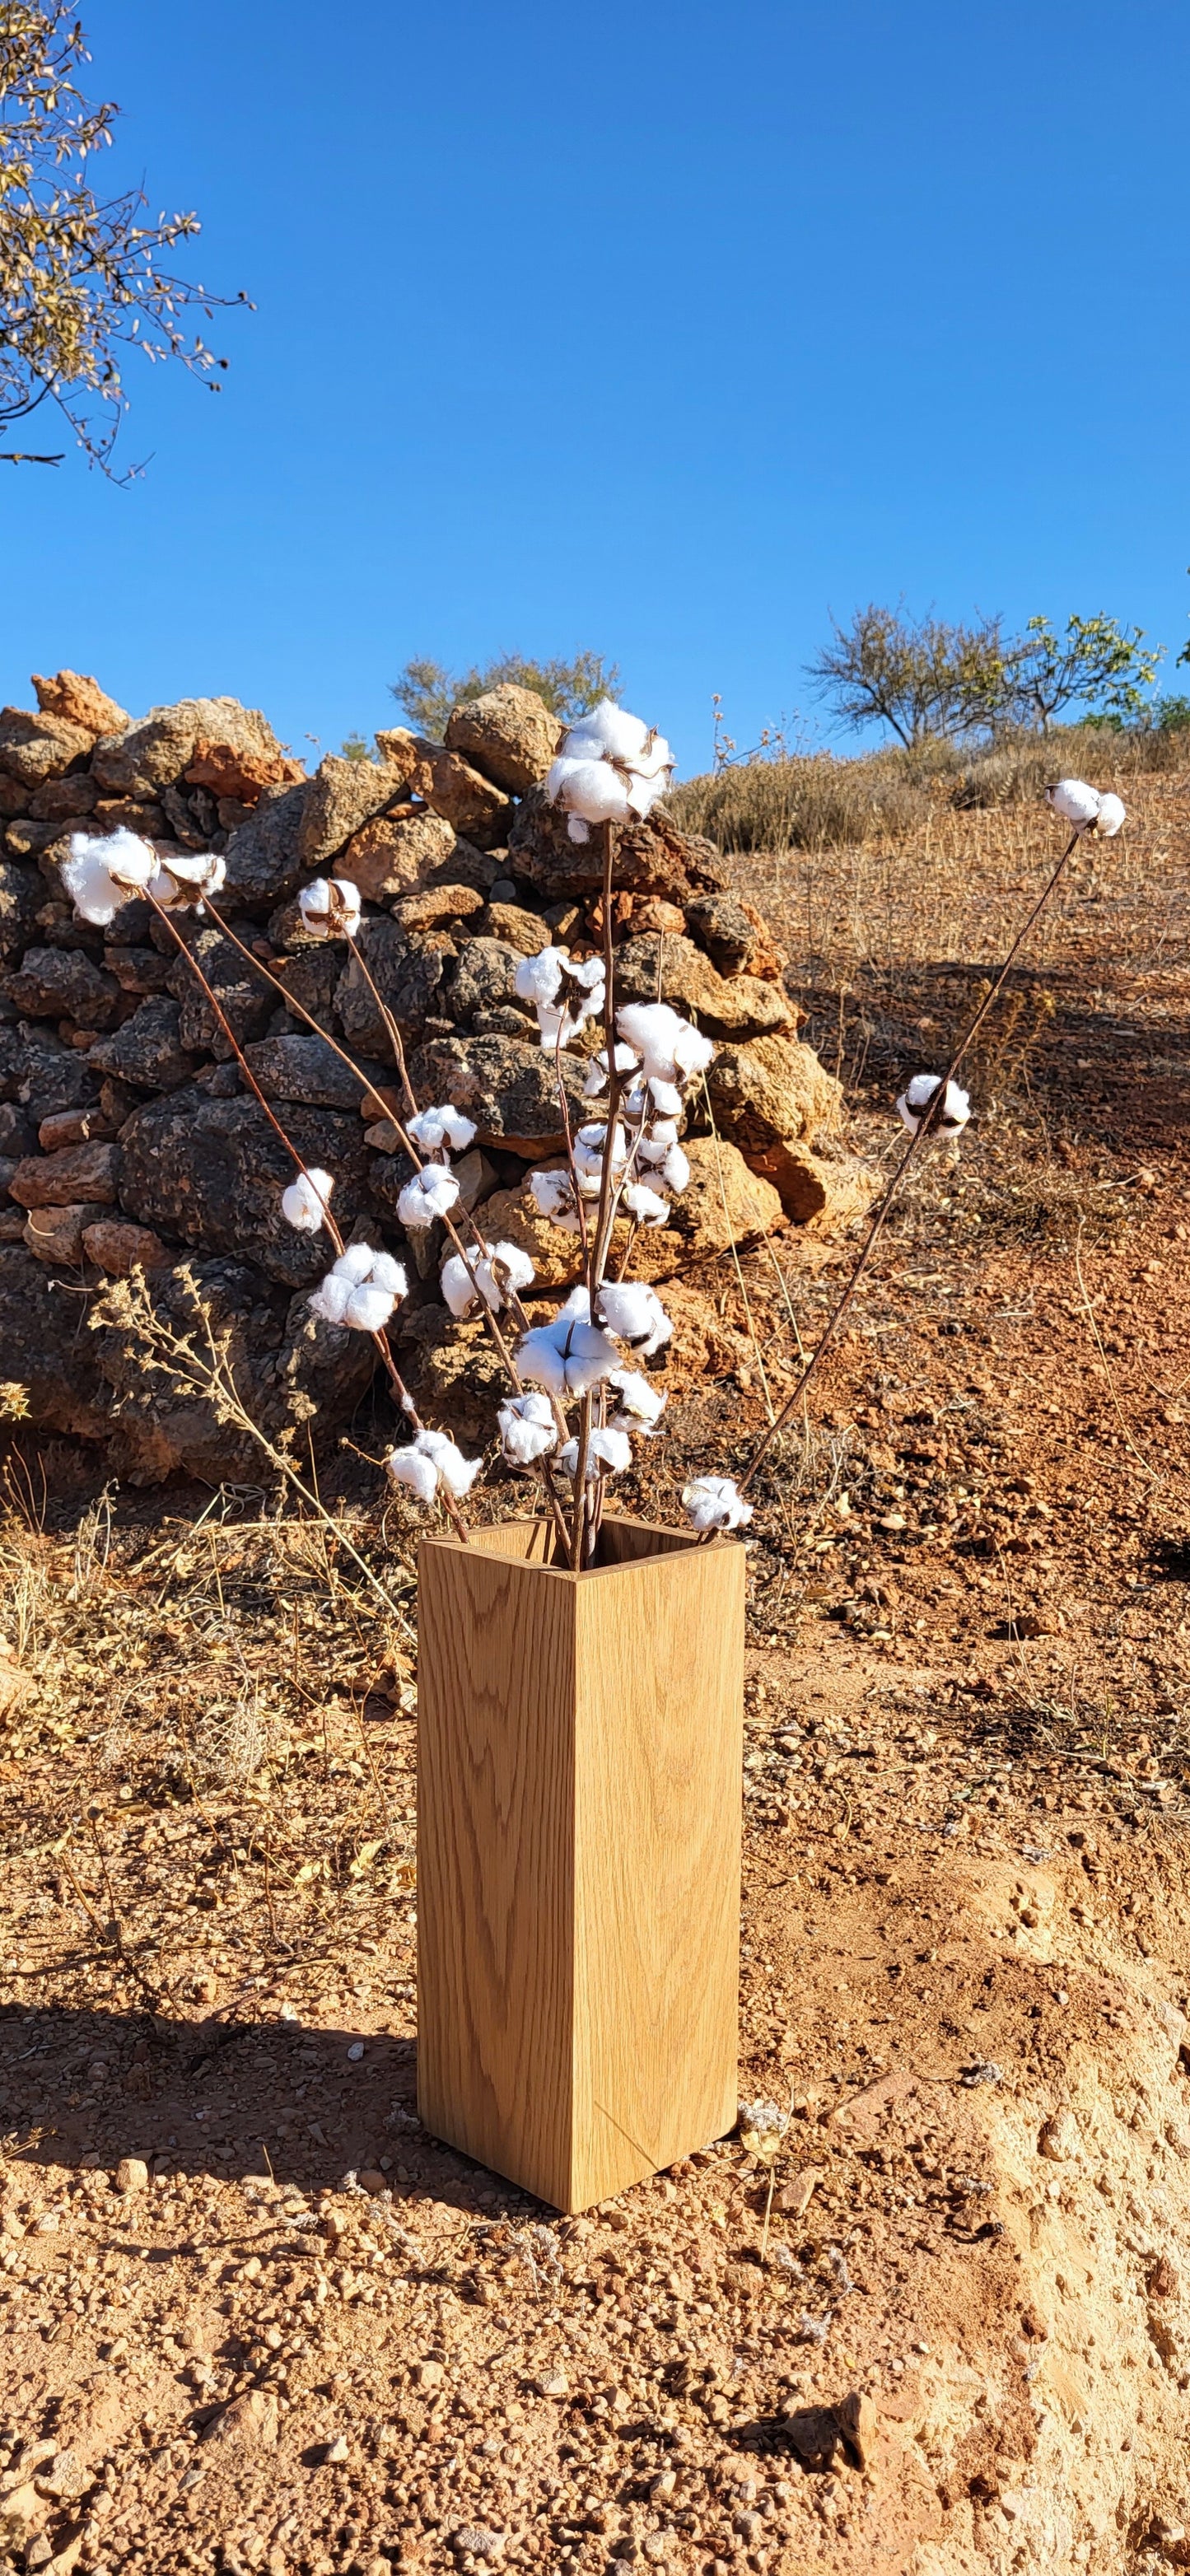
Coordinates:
[579,1768]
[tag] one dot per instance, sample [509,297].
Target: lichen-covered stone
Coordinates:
[246,1001]
[264,859]
[341,797]
[396,852]
[212,1171]
[477,809]
[158,751]
[147,1051]
[36,747]
[307,1069]
[21,895]
[482,977]
[509,734]
[772,1090]
[63,984]
[653,857]
[407,972]
[724,1006]
[507,1085]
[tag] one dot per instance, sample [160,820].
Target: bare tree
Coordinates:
[81,280]
[921,677]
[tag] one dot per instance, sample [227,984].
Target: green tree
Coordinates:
[427,691]
[921,677]
[81,280]
[1096,663]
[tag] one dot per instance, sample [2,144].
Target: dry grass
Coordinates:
[823,802]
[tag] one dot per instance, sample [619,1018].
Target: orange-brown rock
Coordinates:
[81,701]
[119,1248]
[230,771]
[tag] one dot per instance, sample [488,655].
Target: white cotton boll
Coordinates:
[608,731]
[645,1206]
[181,883]
[330,908]
[540,1359]
[609,1452]
[411,1467]
[590,972]
[507,1268]
[597,1071]
[634,1313]
[537,978]
[588,1357]
[527,1428]
[433,1128]
[368,1308]
[915,1100]
[356,1262]
[590,1147]
[577,1304]
[655,1146]
[304,1204]
[456,1472]
[666,1097]
[429,1195]
[590,789]
[714,1502]
[1112,813]
[576,829]
[458,1287]
[555,1027]
[330,1298]
[387,1273]
[675,1170]
[104,872]
[643,793]
[1074,801]
[640,1401]
[692,1052]
[551,1194]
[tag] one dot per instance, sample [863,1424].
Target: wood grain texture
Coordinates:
[579,1759]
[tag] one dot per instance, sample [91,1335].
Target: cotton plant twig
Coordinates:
[923,1128]
[379,1338]
[393,1032]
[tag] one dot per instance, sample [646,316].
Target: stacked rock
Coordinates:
[128,1137]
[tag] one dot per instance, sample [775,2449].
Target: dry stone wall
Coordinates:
[127,1135]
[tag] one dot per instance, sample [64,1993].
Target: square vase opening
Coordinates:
[580,1743]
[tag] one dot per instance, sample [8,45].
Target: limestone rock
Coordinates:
[158,751]
[772,1090]
[131,2174]
[341,797]
[265,865]
[147,1051]
[434,906]
[506,1085]
[479,811]
[118,1248]
[407,972]
[88,1171]
[508,733]
[396,852]
[725,1006]
[55,1234]
[80,701]
[525,931]
[212,1171]
[21,895]
[36,747]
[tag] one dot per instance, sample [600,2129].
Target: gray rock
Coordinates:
[138,970]
[245,999]
[46,1348]
[212,1171]
[481,978]
[342,796]
[18,1134]
[311,978]
[508,734]
[64,800]
[36,747]
[307,1069]
[21,894]
[147,1051]
[720,925]
[507,1086]
[42,1074]
[289,1369]
[651,857]
[264,860]
[155,752]
[407,972]
[63,984]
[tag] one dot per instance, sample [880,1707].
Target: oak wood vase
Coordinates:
[580,1741]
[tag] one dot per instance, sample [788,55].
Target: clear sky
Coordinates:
[661,329]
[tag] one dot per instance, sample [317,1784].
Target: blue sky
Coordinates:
[660,329]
